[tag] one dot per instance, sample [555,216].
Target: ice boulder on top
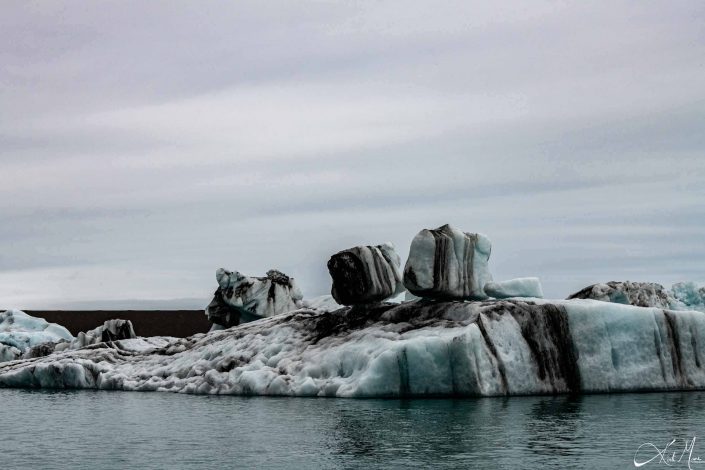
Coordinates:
[240,299]
[20,332]
[446,263]
[520,287]
[365,274]
[639,294]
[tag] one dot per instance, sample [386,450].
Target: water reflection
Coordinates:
[577,431]
[553,425]
[148,430]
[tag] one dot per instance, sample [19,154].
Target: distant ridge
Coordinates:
[156,322]
[132,304]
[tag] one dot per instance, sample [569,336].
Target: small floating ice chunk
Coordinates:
[520,287]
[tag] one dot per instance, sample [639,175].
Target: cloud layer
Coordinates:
[143,145]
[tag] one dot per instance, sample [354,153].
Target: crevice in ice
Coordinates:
[451,365]
[403,362]
[493,351]
[615,357]
[659,352]
[694,345]
[676,353]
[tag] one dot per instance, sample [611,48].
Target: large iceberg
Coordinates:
[422,348]
[448,341]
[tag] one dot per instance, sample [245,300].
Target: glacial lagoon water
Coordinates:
[112,430]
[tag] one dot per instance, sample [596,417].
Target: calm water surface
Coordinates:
[101,430]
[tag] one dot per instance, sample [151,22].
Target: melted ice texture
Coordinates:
[413,349]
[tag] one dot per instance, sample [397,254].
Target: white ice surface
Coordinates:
[21,332]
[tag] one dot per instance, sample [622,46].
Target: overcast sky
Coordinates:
[145,144]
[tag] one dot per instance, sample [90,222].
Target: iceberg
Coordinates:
[681,296]
[365,274]
[447,339]
[640,294]
[448,264]
[241,299]
[20,332]
[414,349]
[687,296]
[520,287]
[24,336]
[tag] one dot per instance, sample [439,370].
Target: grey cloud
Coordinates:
[143,145]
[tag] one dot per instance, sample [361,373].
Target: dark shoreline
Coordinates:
[180,323]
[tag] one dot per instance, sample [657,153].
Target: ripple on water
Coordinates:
[96,430]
